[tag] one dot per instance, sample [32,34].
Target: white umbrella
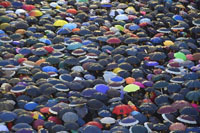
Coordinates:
[121,17]
[108,120]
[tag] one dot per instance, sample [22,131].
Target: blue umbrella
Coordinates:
[51,103]
[74,45]
[46,41]
[178,18]
[145,20]
[128,121]
[24,118]
[104,113]
[63,31]
[90,129]
[108,5]
[25,51]
[21,126]
[49,69]
[121,17]
[88,92]
[102,88]
[7,116]
[30,106]
[152,63]
[70,26]
[139,116]
[82,111]
[117,79]
[134,27]
[119,129]
[18,88]
[156,40]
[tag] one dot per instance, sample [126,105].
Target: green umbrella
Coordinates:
[180,55]
[131,88]
[119,27]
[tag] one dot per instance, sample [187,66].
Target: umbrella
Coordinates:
[167,109]
[35,13]
[121,17]
[45,40]
[21,126]
[90,129]
[131,88]
[186,119]
[180,55]
[178,18]
[113,40]
[70,117]
[49,69]
[7,116]
[95,104]
[71,126]
[18,89]
[189,111]
[94,123]
[88,92]
[104,113]
[157,56]
[159,127]
[196,56]
[128,121]
[131,40]
[38,123]
[122,109]
[101,88]
[177,127]
[30,106]
[180,104]
[138,129]
[74,45]
[193,96]
[7,105]
[24,118]
[95,67]
[192,83]
[156,40]
[148,108]
[107,120]
[60,23]
[3,128]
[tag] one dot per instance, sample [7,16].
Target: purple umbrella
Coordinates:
[38,123]
[152,63]
[167,109]
[186,119]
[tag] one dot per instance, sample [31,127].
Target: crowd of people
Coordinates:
[91,66]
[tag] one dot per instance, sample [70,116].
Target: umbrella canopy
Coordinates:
[122,109]
[189,111]
[7,116]
[177,127]
[180,104]
[21,126]
[131,88]
[193,96]
[94,123]
[121,17]
[137,129]
[128,121]
[107,120]
[157,56]
[101,88]
[35,13]
[60,23]
[113,40]
[167,109]
[70,117]
[186,119]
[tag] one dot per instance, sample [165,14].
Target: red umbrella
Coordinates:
[94,123]
[109,33]
[159,35]
[28,7]
[180,104]
[44,110]
[55,119]
[167,109]
[113,40]
[49,49]
[177,127]
[5,4]
[122,109]
[196,56]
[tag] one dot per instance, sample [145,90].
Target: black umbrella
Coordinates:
[148,108]
[162,99]
[7,105]
[131,40]
[95,67]
[160,127]
[189,111]
[160,85]
[32,91]
[95,104]
[71,126]
[132,60]
[21,126]
[71,61]
[53,60]
[177,97]
[24,118]
[76,86]
[57,128]
[157,56]
[137,73]
[193,84]
[173,87]
[125,66]
[40,75]
[191,76]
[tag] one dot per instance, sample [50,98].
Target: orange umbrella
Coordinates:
[129,80]
[36,13]
[40,61]
[76,30]
[72,11]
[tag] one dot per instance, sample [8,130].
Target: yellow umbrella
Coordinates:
[131,88]
[4,25]
[36,13]
[168,43]
[130,10]
[60,23]
[119,27]
[116,70]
